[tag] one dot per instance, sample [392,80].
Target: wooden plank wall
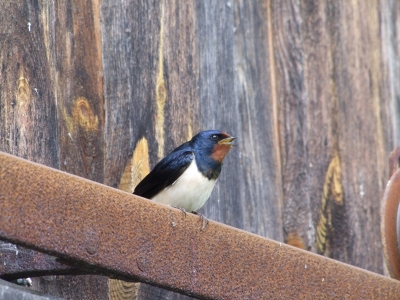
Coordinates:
[104,89]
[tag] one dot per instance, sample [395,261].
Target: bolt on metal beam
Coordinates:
[123,236]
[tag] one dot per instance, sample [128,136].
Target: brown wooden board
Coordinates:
[51,100]
[310,88]
[259,173]
[335,127]
[28,117]
[389,35]
[189,67]
[130,35]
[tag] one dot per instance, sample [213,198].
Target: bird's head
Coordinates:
[215,143]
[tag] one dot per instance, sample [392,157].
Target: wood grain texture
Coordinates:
[390,72]
[362,122]
[389,24]
[28,115]
[334,107]
[75,48]
[310,88]
[147,99]
[131,46]
[292,102]
[323,158]
[51,104]
[187,56]
[258,174]
[130,33]
[27,110]
[218,104]
[79,87]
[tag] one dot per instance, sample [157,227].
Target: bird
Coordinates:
[186,177]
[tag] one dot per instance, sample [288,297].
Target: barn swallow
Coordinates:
[186,177]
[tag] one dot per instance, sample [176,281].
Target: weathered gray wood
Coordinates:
[130,32]
[179,62]
[28,118]
[259,174]
[291,100]
[131,43]
[310,88]
[218,104]
[75,47]
[51,100]
[389,24]
[364,142]
[79,86]
[336,129]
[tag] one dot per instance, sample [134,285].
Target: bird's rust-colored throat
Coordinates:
[221,149]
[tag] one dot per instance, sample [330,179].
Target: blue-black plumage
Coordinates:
[186,177]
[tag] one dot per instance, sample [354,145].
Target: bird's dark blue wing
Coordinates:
[165,173]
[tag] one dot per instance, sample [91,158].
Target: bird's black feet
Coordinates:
[203,220]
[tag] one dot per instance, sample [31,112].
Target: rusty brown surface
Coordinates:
[389,211]
[127,237]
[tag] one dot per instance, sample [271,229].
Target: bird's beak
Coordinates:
[227,141]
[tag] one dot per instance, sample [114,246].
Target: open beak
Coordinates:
[227,141]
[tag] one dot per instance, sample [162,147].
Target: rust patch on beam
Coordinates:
[132,238]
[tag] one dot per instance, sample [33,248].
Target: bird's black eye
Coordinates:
[214,137]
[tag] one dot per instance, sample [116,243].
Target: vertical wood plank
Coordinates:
[179,78]
[292,102]
[157,84]
[28,115]
[333,108]
[390,22]
[361,125]
[218,104]
[79,96]
[79,87]
[257,167]
[323,159]
[181,71]
[74,43]
[130,34]
[308,87]
[51,102]
[27,109]
[131,44]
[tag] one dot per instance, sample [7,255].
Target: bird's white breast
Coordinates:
[190,191]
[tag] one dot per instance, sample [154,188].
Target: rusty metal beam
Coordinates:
[131,238]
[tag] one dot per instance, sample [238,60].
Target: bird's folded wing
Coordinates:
[165,173]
